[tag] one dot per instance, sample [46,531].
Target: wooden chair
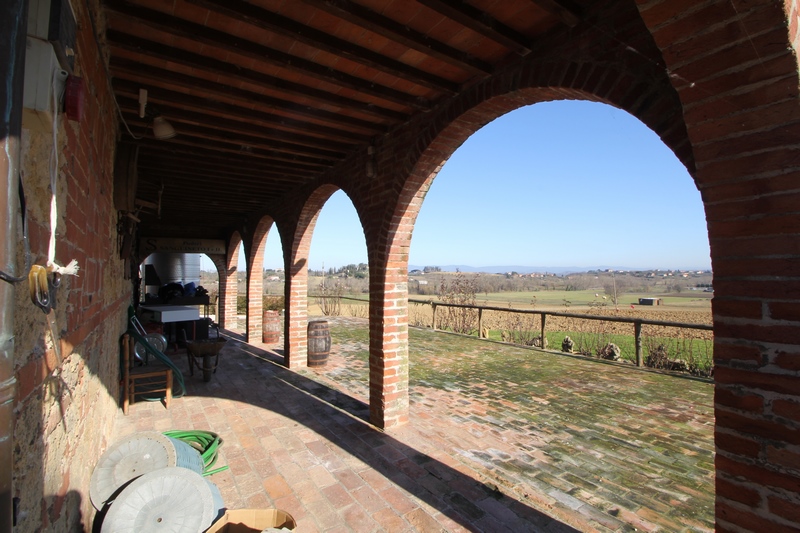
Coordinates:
[142,379]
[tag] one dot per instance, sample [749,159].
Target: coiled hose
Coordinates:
[206,442]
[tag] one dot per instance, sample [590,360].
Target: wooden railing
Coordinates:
[636,322]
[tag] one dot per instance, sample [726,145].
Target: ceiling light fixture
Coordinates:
[162,129]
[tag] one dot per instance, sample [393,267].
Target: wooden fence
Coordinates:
[637,323]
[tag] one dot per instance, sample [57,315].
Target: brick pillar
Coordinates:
[740,104]
[219,261]
[295,320]
[388,343]
[255,280]
[228,289]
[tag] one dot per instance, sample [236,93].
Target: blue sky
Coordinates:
[556,184]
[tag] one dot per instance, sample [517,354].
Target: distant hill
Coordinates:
[502,269]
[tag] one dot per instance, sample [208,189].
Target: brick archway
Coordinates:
[295,252]
[738,85]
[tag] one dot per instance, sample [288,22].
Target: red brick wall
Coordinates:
[65,408]
[737,81]
[228,287]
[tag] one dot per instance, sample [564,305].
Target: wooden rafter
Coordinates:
[273,22]
[481,23]
[400,33]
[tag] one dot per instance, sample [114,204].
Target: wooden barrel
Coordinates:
[319,342]
[271,327]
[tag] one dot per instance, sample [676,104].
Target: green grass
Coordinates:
[698,354]
[550,299]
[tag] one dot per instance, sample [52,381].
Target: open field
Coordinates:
[569,300]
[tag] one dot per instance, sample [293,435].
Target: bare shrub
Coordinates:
[419,315]
[460,290]
[358,310]
[329,298]
[519,328]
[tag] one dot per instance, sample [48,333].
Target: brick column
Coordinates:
[740,103]
[388,343]
[255,280]
[228,290]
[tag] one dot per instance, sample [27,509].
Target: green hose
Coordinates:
[206,442]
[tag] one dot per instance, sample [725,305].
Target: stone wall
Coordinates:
[65,403]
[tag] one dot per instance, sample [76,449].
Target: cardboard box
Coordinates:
[252,521]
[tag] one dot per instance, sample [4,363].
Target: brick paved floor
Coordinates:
[500,439]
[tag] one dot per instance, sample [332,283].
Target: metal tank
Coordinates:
[171,268]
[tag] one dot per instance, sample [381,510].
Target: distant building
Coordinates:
[649,301]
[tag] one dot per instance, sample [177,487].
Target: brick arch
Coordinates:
[643,90]
[255,277]
[738,85]
[228,286]
[295,254]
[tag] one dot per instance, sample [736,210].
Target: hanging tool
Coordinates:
[42,291]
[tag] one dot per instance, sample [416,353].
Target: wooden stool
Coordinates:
[142,379]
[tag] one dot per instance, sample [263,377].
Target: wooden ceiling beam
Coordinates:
[224,41]
[290,142]
[275,23]
[220,183]
[206,170]
[221,68]
[482,23]
[300,168]
[135,72]
[569,12]
[198,156]
[400,33]
[292,154]
[164,97]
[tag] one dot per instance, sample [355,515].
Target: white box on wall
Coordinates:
[43,76]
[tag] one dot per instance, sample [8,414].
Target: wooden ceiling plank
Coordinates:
[222,181]
[219,39]
[213,170]
[302,169]
[194,156]
[279,138]
[400,33]
[132,71]
[222,68]
[275,23]
[482,23]
[293,154]
[569,12]
[159,95]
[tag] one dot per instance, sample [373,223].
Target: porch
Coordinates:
[538,442]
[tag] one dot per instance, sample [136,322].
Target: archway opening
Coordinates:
[539,210]
[338,275]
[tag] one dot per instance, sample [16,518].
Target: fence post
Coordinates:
[544,319]
[480,322]
[637,333]
[433,305]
